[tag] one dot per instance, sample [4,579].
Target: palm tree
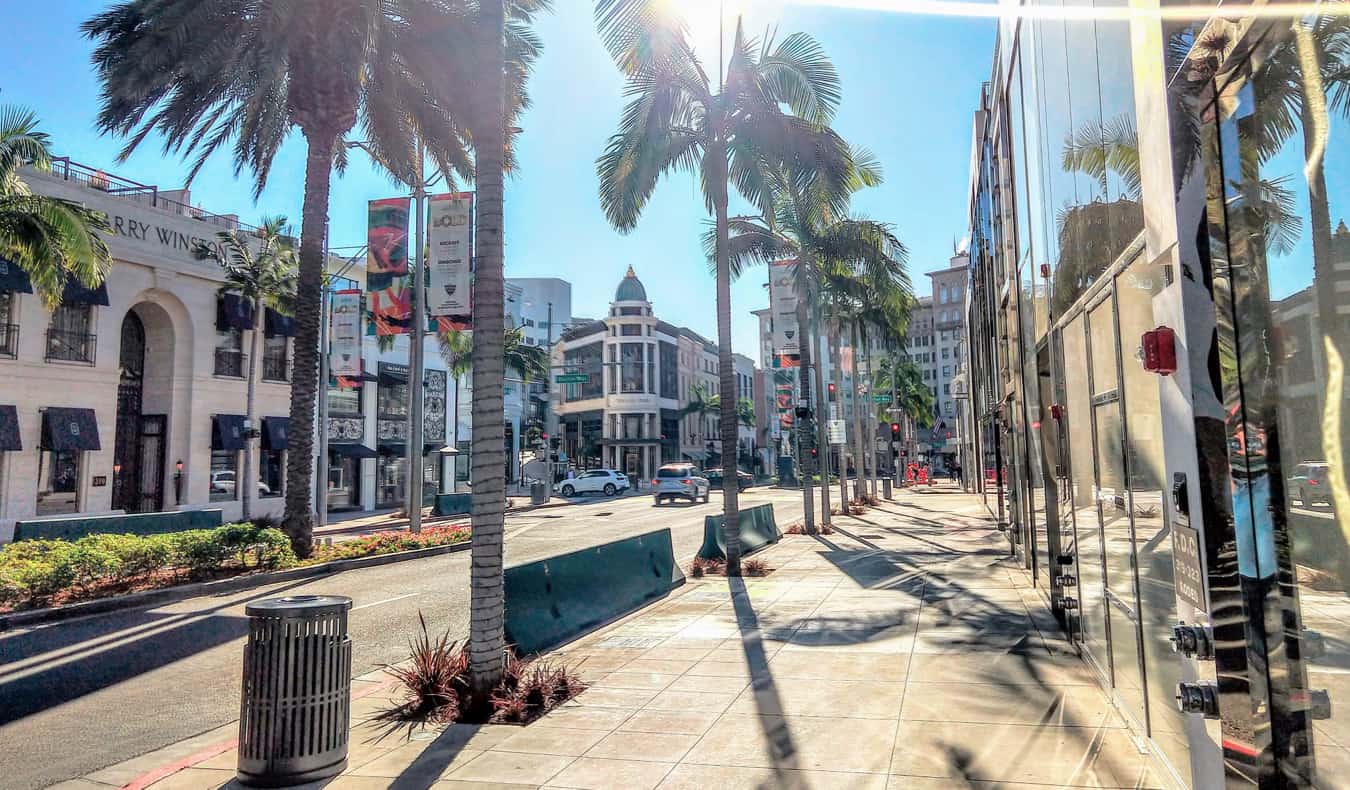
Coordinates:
[528,363]
[320,66]
[676,120]
[264,278]
[701,403]
[50,239]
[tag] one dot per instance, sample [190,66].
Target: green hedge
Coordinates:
[34,570]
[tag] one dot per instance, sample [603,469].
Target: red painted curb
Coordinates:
[169,769]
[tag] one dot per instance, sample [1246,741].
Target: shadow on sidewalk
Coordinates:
[767,701]
[426,770]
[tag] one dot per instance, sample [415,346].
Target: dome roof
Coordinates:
[630,289]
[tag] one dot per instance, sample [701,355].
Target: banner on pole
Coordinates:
[450,243]
[344,350]
[783,309]
[387,266]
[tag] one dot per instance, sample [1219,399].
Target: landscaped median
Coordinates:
[44,573]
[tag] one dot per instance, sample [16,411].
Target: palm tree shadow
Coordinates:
[768,704]
[427,768]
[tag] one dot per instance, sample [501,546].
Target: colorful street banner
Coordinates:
[450,247]
[344,351]
[390,289]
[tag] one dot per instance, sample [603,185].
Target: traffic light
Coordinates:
[831,389]
[895,431]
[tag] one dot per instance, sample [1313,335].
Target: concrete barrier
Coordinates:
[758,529]
[452,505]
[76,527]
[555,600]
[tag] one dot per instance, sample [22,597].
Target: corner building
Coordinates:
[1160,322]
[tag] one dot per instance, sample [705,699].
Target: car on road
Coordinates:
[680,481]
[743,479]
[223,482]
[1309,483]
[597,481]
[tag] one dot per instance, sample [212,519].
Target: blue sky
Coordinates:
[910,84]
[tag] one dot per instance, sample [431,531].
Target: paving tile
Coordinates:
[661,747]
[418,763]
[688,776]
[684,652]
[808,665]
[685,722]
[844,698]
[585,718]
[1058,756]
[603,774]
[797,742]
[79,784]
[511,768]
[709,683]
[539,739]
[613,698]
[654,681]
[710,701]
[666,666]
[1060,706]
[1029,667]
[195,779]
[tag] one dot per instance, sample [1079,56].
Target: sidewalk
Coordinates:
[903,651]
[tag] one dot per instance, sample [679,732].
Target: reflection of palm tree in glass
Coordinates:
[1091,235]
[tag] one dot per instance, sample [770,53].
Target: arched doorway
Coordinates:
[138,449]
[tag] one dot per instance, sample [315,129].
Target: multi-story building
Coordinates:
[1158,335]
[128,397]
[641,373]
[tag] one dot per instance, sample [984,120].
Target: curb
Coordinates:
[196,589]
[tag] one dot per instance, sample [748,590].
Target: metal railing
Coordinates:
[9,341]
[276,368]
[231,363]
[148,194]
[70,346]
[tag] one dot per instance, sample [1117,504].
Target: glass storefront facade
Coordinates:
[1160,324]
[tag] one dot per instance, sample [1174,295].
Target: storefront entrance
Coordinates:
[138,449]
[1114,522]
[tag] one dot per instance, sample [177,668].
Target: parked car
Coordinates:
[680,481]
[1309,483]
[743,479]
[597,481]
[223,482]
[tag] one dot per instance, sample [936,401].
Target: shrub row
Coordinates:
[34,570]
[388,542]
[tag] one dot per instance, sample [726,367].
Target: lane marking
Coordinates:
[386,600]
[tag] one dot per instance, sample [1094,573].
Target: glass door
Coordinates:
[1117,530]
[1085,535]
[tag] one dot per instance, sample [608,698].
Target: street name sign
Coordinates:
[572,378]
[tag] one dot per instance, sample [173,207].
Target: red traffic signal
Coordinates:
[546,437]
[895,431]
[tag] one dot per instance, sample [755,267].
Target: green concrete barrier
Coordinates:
[76,527]
[452,504]
[555,600]
[758,529]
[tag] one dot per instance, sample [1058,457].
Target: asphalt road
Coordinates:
[78,696]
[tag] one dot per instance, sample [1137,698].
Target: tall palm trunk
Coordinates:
[837,358]
[487,639]
[859,441]
[726,373]
[822,412]
[870,417]
[250,485]
[802,426]
[299,520]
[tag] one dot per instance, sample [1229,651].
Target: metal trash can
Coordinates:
[538,494]
[886,487]
[295,710]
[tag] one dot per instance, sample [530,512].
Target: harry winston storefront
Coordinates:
[1161,327]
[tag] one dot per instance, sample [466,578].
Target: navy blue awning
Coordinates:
[400,449]
[227,432]
[275,432]
[77,293]
[234,312]
[9,429]
[278,325]
[393,373]
[352,450]
[12,278]
[69,430]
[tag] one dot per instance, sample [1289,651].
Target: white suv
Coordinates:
[597,481]
[680,481]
